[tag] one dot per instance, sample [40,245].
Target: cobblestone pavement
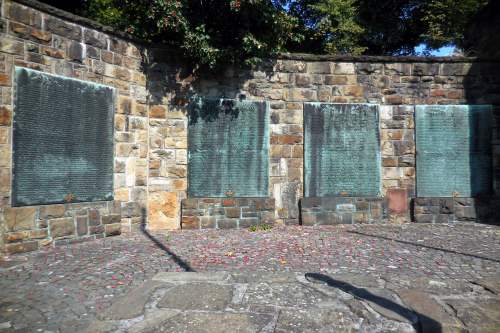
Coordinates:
[64,289]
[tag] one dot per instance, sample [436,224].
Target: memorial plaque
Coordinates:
[454,155]
[228,148]
[63,140]
[341,150]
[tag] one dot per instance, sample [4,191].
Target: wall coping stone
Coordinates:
[62,14]
[281,56]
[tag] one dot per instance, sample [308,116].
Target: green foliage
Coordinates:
[213,33]
[445,21]
[338,26]
[208,32]
[261,227]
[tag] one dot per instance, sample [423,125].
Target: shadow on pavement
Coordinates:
[422,245]
[431,325]
[184,265]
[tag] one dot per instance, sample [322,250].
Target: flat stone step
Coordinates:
[191,277]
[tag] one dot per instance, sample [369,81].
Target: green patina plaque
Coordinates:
[63,140]
[454,155]
[341,150]
[228,144]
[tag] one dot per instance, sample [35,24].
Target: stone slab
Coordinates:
[198,296]
[200,322]
[432,316]
[454,156]
[62,140]
[191,277]
[132,305]
[228,148]
[341,150]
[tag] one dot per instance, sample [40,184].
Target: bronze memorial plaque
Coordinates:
[63,140]
[228,148]
[454,156]
[341,150]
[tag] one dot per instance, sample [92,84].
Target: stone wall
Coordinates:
[212,213]
[151,114]
[396,84]
[342,210]
[35,39]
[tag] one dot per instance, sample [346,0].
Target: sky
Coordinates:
[442,52]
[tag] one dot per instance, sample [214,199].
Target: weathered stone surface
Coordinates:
[386,304]
[316,320]
[132,304]
[21,247]
[197,296]
[22,218]
[477,316]
[51,211]
[199,322]
[109,219]
[163,210]
[191,276]
[431,315]
[63,28]
[113,229]
[5,116]
[153,321]
[61,227]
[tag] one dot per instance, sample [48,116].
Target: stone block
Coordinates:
[207,222]
[344,68]
[424,218]
[62,227]
[466,213]
[111,218]
[21,247]
[308,218]
[81,225]
[360,217]
[39,234]
[397,200]
[190,222]
[163,210]
[52,211]
[302,80]
[248,222]
[95,38]
[53,52]
[19,218]
[94,217]
[291,66]
[190,203]
[227,223]
[16,236]
[96,230]
[232,212]
[113,229]
[5,116]
[61,28]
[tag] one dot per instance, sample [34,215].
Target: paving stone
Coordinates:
[197,296]
[191,276]
[284,295]
[490,284]
[386,304]
[431,315]
[72,284]
[132,305]
[153,320]
[477,315]
[198,322]
[317,320]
